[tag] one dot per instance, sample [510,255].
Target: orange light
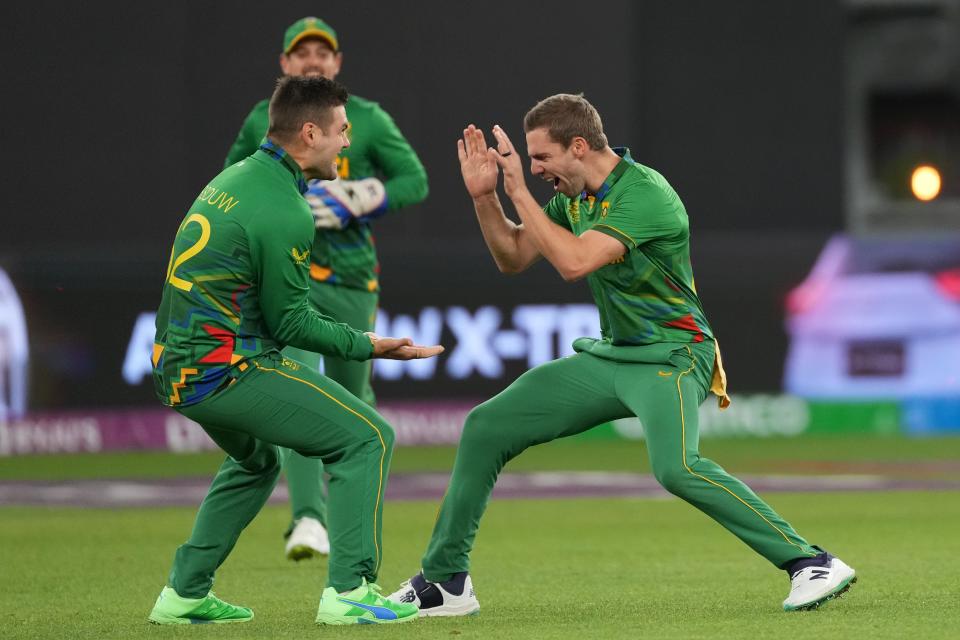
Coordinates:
[925,182]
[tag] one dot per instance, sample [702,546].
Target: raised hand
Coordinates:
[401,348]
[478,168]
[505,155]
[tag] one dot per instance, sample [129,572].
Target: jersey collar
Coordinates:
[278,153]
[625,162]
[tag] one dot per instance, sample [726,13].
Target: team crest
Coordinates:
[300,258]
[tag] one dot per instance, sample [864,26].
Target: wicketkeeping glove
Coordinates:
[337,203]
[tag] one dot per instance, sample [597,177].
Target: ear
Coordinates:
[310,134]
[579,146]
[284,64]
[339,61]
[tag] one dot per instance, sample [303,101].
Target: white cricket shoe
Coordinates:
[812,586]
[308,539]
[455,597]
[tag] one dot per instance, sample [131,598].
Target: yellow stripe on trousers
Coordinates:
[383,449]
[683,456]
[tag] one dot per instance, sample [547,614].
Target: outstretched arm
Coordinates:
[401,348]
[510,244]
[282,284]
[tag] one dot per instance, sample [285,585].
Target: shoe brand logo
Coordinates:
[383,613]
[819,574]
[408,596]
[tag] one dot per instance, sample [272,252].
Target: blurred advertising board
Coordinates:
[485,342]
[420,423]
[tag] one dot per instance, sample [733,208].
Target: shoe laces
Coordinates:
[376,591]
[210,603]
[214,604]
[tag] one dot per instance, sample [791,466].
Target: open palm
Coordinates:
[479,170]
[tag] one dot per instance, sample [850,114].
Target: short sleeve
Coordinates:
[641,214]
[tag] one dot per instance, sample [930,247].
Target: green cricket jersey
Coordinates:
[647,296]
[237,281]
[377,149]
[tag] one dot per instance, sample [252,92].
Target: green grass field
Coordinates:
[601,568]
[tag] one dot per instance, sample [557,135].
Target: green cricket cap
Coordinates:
[309,27]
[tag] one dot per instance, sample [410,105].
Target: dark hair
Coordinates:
[566,116]
[298,100]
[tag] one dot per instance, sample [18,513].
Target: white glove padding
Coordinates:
[337,203]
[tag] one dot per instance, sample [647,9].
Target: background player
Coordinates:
[235,294]
[344,273]
[623,227]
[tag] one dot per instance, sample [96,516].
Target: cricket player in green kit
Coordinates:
[235,294]
[623,227]
[344,273]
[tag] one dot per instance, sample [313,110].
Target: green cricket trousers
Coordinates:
[663,387]
[277,402]
[305,475]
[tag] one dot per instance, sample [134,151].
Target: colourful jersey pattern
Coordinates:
[647,296]
[377,149]
[236,284]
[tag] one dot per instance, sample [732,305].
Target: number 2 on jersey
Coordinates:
[196,248]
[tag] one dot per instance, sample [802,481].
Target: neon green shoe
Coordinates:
[363,605]
[172,609]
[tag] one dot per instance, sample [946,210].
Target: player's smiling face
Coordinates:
[312,57]
[328,145]
[550,161]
